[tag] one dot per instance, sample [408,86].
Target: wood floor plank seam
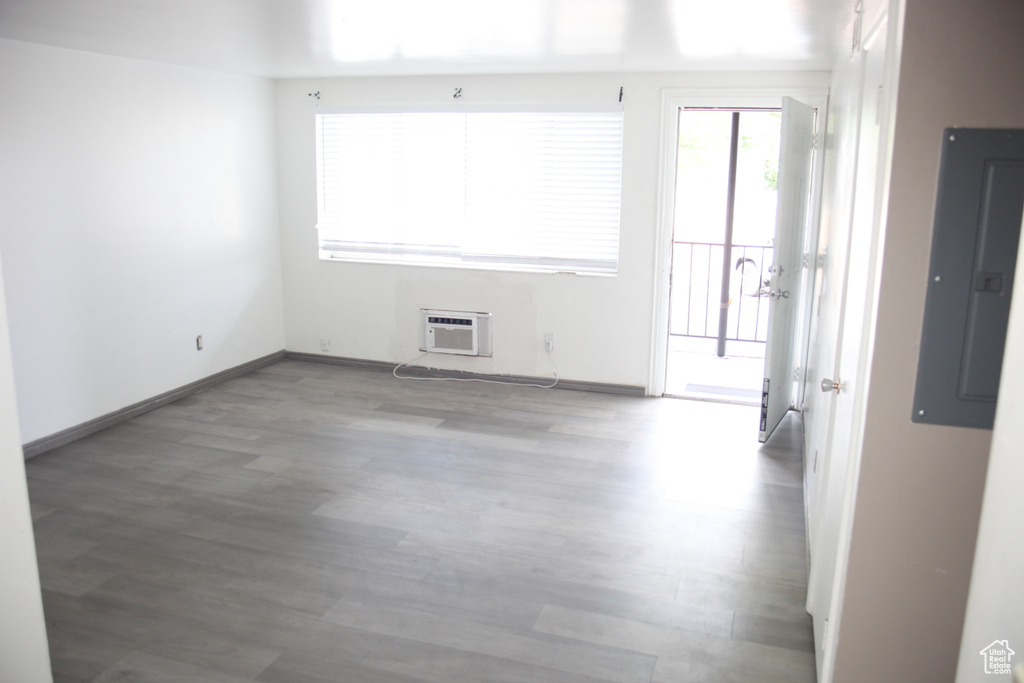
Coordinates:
[310,523]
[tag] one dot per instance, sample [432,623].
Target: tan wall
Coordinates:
[921,486]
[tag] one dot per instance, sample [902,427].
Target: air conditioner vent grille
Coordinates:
[438,320]
[459,340]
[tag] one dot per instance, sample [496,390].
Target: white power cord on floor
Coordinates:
[551,359]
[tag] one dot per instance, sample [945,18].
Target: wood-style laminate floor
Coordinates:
[310,523]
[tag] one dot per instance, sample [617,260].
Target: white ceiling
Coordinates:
[304,38]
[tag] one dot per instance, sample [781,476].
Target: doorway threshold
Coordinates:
[703,376]
[714,397]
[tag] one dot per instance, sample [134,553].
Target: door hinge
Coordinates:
[797,373]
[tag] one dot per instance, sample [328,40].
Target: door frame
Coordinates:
[672,100]
[891,26]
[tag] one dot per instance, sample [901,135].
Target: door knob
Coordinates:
[779,294]
[828,385]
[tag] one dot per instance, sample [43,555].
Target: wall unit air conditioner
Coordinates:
[460,332]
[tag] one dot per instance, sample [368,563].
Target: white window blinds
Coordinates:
[519,190]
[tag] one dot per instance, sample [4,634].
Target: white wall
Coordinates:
[139,211]
[24,652]
[602,325]
[920,486]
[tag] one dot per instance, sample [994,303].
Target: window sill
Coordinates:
[451,265]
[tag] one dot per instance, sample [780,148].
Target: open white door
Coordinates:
[796,148]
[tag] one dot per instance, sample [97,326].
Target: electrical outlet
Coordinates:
[325,343]
[199,343]
[549,341]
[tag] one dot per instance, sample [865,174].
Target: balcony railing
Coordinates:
[697,290]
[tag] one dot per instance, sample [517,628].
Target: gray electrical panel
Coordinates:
[974,253]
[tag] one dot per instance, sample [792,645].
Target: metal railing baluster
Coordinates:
[747,313]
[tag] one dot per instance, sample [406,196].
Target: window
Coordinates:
[510,190]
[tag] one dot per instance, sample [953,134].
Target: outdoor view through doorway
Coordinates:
[725,208]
